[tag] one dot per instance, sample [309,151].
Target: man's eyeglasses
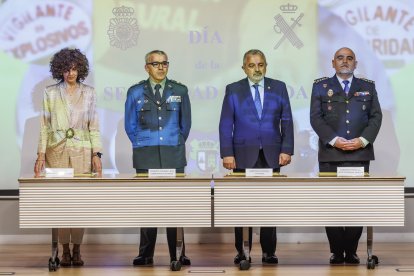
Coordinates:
[156,64]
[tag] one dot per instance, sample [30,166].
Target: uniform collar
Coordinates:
[341,79]
[162,83]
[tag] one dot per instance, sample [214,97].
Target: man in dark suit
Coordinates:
[256,131]
[346,115]
[158,122]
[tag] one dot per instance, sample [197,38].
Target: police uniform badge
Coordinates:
[174,99]
[330,93]
[325,85]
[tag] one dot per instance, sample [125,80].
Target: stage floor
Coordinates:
[310,259]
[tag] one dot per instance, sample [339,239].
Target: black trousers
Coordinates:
[268,237]
[148,236]
[343,239]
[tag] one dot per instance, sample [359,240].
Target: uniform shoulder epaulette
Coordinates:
[176,82]
[367,80]
[320,79]
[139,83]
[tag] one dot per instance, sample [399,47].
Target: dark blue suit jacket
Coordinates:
[242,132]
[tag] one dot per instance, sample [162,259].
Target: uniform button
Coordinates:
[347,101]
[158,102]
[347,121]
[348,131]
[161,138]
[159,108]
[159,118]
[142,109]
[160,128]
[347,111]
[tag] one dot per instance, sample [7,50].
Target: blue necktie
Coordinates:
[346,87]
[257,101]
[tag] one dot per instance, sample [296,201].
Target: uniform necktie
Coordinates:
[346,87]
[157,92]
[257,101]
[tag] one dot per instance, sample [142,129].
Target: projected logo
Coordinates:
[205,153]
[287,31]
[123,30]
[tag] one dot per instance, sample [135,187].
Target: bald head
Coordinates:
[344,49]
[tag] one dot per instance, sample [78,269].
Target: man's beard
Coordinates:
[346,71]
[257,77]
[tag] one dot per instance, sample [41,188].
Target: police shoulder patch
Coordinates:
[367,80]
[320,79]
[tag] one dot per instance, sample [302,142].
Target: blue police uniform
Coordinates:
[157,130]
[356,114]
[334,114]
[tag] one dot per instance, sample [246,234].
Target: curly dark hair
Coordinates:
[66,59]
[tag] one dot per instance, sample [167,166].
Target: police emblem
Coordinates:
[123,30]
[330,93]
[282,27]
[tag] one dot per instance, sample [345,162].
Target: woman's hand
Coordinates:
[96,164]
[39,164]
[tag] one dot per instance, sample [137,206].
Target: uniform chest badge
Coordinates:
[325,85]
[330,93]
[174,99]
[361,94]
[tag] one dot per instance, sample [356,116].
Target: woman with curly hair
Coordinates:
[69,132]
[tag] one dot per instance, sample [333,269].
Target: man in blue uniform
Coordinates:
[158,122]
[256,131]
[346,115]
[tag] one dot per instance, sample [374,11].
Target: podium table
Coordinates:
[309,201]
[114,202]
[90,202]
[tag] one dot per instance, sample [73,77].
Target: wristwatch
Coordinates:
[99,154]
